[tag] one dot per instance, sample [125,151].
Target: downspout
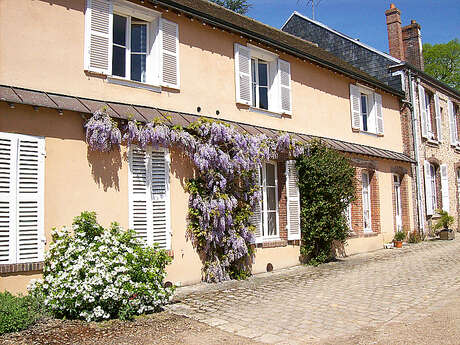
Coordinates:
[417,156]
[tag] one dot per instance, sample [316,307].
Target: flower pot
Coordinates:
[398,244]
[447,234]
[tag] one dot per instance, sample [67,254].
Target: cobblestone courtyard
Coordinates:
[339,299]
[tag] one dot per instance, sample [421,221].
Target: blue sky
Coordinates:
[365,19]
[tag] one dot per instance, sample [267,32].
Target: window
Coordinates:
[453,123]
[366,110]
[263,81]
[430,188]
[270,201]
[398,206]
[259,72]
[149,203]
[366,202]
[431,122]
[21,198]
[458,186]
[131,44]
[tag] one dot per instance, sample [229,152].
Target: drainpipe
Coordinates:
[418,177]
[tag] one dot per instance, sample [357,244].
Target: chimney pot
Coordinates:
[395,39]
[413,21]
[392,6]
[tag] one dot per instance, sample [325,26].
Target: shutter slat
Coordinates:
[256,217]
[445,188]
[355,107]
[378,113]
[170,53]
[438,117]
[29,217]
[423,113]
[284,71]
[452,123]
[428,191]
[293,201]
[98,33]
[243,74]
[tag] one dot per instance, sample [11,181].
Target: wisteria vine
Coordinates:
[225,191]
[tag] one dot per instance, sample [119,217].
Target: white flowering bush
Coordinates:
[98,273]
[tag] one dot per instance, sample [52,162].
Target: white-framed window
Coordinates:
[458,187]
[149,195]
[430,188]
[452,109]
[131,44]
[259,81]
[431,129]
[398,204]
[22,161]
[366,195]
[263,81]
[270,228]
[366,110]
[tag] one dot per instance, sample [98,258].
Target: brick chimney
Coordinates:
[405,43]
[412,42]
[395,40]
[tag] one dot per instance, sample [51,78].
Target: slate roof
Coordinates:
[37,98]
[221,17]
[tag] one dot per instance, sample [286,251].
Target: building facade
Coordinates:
[429,115]
[177,60]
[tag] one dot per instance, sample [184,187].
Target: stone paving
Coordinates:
[303,304]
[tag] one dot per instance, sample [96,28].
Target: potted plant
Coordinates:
[443,225]
[398,239]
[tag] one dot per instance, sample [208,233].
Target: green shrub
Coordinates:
[326,185]
[400,236]
[99,273]
[18,312]
[444,222]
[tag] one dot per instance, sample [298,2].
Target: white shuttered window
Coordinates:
[454,140]
[21,198]
[445,188]
[131,44]
[366,110]
[149,195]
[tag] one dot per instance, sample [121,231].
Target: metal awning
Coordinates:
[38,98]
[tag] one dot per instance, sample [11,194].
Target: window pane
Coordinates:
[119,61]
[271,199]
[365,128]
[272,224]
[139,38]
[263,98]
[254,83]
[263,74]
[138,67]
[363,103]
[270,178]
[119,30]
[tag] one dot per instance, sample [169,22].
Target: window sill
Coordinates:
[132,83]
[272,243]
[370,133]
[433,142]
[24,267]
[265,112]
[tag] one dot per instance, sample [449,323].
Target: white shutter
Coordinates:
[139,219]
[8,149]
[30,224]
[438,117]
[169,32]
[378,113]
[423,114]
[161,229]
[445,188]
[355,104]
[256,217]
[243,74]
[98,36]
[453,123]
[428,191]
[284,71]
[293,201]
[149,202]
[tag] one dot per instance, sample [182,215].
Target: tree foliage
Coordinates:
[238,6]
[442,61]
[327,186]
